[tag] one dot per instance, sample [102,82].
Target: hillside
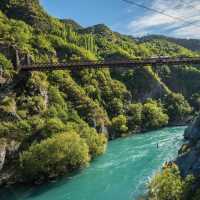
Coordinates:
[80,108]
[192,44]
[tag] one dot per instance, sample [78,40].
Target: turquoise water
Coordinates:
[120,174]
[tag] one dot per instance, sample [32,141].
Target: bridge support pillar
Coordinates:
[28,59]
[16,59]
[155,68]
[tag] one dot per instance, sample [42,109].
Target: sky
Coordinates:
[130,19]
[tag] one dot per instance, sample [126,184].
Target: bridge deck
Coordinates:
[110,64]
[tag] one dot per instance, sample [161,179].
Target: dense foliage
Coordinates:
[153,116]
[39,111]
[54,156]
[147,116]
[169,185]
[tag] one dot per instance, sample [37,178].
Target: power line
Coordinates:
[189,5]
[160,12]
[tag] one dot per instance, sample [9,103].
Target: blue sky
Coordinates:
[129,19]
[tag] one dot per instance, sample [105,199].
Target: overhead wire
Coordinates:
[189,5]
[161,12]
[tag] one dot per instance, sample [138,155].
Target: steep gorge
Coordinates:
[90,105]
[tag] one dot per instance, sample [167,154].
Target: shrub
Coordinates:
[166,185]
[135,116]
[169,185]
[96,142]
[54,156]
[53,126]
[37,82]
[119,124]
[153,115]
[177,107]
[6,65]
[8,105]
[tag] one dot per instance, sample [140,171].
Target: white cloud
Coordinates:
[187,32]
[185,9]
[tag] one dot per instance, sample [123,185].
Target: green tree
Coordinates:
[53,126]
[119,125]
[135,116]
[96,142]
[153,115]
[177,107]
[54,156]
[169,185]
[166,185]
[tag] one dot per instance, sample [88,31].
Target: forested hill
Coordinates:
[192,44]
[73,113]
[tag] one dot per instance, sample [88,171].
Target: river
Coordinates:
[120,174]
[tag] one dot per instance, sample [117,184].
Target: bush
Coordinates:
[135,116]
[8,105]
[22,129]
[7,67]
[177,107]
[53,126]
[153,115]
[166,185]
[119,124]
[116,107]
[55,97]
[169,185]
[96,142]
[54,156]
[37,82]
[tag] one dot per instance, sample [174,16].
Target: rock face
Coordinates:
[2,154]
[189,154]
[192,133]
[8,151]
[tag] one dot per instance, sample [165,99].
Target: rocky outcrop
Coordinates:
[192,133]
[2,153]
[189,154]
[8,151]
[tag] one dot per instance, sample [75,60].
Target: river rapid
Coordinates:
[121,173]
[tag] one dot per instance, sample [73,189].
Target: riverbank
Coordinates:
[10,177]
[121,173]
[179,179]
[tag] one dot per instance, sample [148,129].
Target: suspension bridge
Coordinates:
[113,64]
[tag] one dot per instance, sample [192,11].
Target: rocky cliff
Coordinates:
[189,154]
